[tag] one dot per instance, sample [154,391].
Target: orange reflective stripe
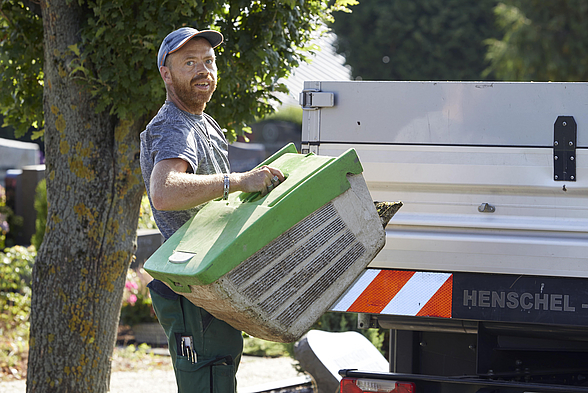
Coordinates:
[380,291]
[440,303]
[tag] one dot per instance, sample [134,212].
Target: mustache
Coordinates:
[201,79]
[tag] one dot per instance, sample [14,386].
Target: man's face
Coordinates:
[193,74]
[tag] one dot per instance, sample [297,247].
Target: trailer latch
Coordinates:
[312,99]
[564,149]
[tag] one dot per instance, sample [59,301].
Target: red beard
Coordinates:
[190,96]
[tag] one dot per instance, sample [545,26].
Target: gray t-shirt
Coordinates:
[198,140]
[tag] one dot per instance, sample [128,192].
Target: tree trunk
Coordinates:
[94,189]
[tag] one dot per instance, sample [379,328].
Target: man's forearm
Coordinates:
[181,191]
[172,188]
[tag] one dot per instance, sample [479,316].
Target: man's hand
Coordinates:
[262,179]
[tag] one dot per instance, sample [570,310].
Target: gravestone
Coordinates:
[21,187]
[16,155]
[245,156]
[148,240]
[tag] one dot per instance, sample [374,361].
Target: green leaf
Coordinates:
[74,48]
[37,134]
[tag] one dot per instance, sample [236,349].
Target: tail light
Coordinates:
[355,385]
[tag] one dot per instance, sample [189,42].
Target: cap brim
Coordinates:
[213,37]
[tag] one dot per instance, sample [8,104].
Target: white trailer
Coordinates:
[484,277]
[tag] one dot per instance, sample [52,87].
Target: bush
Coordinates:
[10,223]
[254,346]
[137,306]
[16,266]
[146,220]
[345,322]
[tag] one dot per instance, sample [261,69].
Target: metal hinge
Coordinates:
[312,99]
[564,149]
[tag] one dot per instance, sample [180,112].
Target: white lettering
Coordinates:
[484,298]
[526,301]
[498,299]
[555,304]
[512,300]
[469,298]
[541,300]
[567,304]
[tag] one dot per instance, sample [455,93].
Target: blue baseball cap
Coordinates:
[177,38]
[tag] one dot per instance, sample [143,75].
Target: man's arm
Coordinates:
[172,188]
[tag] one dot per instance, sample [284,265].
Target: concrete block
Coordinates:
[322,354]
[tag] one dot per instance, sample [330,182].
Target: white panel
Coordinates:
[444,149]
[511,253]
[462,113]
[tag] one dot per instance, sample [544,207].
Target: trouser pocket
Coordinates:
[208,337]
[212,375]
[223,378]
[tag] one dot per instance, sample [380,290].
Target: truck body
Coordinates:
[483,281]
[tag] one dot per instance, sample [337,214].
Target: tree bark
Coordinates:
[94,189]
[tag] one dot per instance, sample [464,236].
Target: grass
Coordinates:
[256,347]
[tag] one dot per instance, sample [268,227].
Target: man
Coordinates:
[184,160]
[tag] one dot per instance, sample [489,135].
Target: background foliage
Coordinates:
[21,66]
[543,41]
[146,220]
[116,55]
[16,266]
[416,39]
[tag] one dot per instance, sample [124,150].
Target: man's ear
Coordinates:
[165,73]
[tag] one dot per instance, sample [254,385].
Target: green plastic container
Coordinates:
[219,259]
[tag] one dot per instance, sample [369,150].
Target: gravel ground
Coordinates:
[254,375]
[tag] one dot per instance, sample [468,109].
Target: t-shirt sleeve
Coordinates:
[171,142]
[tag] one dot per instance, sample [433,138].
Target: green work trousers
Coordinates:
[217,345]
